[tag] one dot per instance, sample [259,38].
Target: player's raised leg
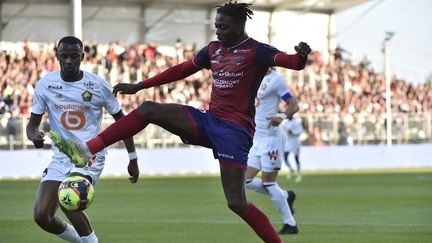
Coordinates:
[44,212]
[233,182]
[171,117]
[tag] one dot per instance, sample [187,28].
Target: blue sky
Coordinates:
[411,47]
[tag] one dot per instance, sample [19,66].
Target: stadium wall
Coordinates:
[31,163]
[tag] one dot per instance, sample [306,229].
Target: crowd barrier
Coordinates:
[197,160]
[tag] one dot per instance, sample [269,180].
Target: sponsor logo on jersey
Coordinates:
[87,95]
[73,120]
[89,85]
[216,53]
[225,155]
[224,84]
[45,172]
[223,73]
[55,87]
[75,107]
[242,50]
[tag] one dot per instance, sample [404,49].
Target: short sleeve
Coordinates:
[39,104]
[202,59]
[282,89]
[266,54]
[110,103]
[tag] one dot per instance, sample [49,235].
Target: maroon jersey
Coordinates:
[237,74]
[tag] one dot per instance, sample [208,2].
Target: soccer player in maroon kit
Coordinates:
[238,64]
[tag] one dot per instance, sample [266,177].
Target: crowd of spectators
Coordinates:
[338,86]
[355,91]
[341,86]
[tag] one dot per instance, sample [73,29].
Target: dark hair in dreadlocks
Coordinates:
[239,11]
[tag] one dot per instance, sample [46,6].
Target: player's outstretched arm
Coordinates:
[296,61]
[33,133]
[174,73]
[132,168]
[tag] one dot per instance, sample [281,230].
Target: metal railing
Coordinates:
[329,129]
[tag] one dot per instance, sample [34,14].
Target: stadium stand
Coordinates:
[341,102]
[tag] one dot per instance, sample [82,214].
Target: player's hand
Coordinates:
[303,49]
[37,137]
[133,170]
[274,121]
[127,88]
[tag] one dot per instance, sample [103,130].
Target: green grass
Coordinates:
[366,207]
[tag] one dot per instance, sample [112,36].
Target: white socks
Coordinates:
[70,234]
[278,196]
[256,185]
[91,238]
[279,199]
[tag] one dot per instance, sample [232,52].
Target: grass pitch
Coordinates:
[383,207]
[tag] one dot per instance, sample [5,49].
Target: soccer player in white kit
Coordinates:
[266,154]
[292,128]
[73,100]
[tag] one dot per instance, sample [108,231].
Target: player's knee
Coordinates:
[249,184]
[275,192]
[237,206]
[42,218]
[147,109]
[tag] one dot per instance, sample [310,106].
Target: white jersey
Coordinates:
[293,137]
[270,93]
[74,108]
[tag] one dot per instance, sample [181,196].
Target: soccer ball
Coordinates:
[75,193]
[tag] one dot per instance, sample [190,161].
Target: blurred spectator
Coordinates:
[13,123]
[345,137]
[314,138]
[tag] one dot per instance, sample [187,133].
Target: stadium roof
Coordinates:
[136,26]
[307,6]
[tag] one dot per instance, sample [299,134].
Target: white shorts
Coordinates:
[266,153]
[58,170]
[293,146]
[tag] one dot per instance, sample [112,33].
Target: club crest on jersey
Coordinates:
[87,95]
[273,154]
[59,96]
[263,86]
[239,61]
